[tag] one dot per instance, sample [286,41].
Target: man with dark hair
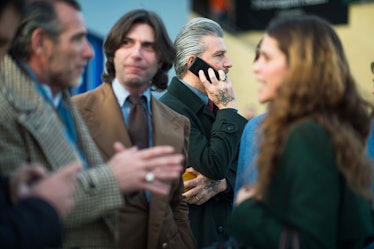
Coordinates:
[139,54]
[40,123]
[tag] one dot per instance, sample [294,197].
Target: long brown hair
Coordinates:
[164,47]
[319,87]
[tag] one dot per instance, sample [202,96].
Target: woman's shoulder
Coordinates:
[309,129]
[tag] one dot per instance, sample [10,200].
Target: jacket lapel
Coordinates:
[85,141]
[165,127]
[36,115]
[106,122]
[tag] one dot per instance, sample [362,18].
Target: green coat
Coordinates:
[307,193]
[213,151]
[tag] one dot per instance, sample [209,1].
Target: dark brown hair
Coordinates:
[164,47]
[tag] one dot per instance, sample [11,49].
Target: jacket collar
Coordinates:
[188,98]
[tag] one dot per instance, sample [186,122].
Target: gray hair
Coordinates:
[188,41]
[40,14]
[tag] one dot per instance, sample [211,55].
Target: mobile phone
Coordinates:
[199,64]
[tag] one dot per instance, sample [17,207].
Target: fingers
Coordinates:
[167,173]
[192,170]
[193,188]
[244,193]
[213,79]
[187,176]
[31,173]
[156,151]
[189,184]
[195,196]
[59,187]
[23,178]
[157,187]
[119,147]
[196,200]
[220,91]
[203,78]
[222,75]
[146,169]
[212,76]
[172,163]
[69,171]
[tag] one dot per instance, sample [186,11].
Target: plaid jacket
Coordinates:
[31,131]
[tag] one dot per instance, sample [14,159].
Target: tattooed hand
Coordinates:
[221,92]
[223,97]
[201,188]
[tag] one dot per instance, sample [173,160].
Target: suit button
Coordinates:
[220,229]
[165,245]
[230,127]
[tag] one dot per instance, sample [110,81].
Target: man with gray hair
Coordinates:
[30,211]
[215,128]
[40,123]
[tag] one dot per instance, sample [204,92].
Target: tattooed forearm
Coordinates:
[224,97]
[211,185]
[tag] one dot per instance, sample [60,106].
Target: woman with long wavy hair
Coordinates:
[313,173]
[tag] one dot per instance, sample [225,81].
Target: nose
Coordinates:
[88,51]
[255,67]
[136,50]
[227,62]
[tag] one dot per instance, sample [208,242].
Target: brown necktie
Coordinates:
[138,123]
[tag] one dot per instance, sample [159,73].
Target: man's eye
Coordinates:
[149,46]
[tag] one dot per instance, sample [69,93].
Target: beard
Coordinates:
[62,81]
[136,83]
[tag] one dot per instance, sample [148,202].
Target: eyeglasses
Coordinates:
[372,67]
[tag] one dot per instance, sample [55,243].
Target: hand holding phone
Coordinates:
[199,64]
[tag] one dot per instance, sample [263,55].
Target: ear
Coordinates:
[190,59]
[39,41]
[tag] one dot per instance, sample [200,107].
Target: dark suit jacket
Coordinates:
[307,193]
[31,131]
[165,222]
[30,224]
[213,151]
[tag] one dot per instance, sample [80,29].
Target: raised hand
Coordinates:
[148,169]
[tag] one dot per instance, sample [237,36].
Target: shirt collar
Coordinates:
[199,94]
[48,91]
[121,93]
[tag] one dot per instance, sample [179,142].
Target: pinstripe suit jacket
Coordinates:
[31,131]
[165,220]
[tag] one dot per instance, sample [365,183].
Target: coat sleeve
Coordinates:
[31,224]
[213,156]
[178,205]
[96,187]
